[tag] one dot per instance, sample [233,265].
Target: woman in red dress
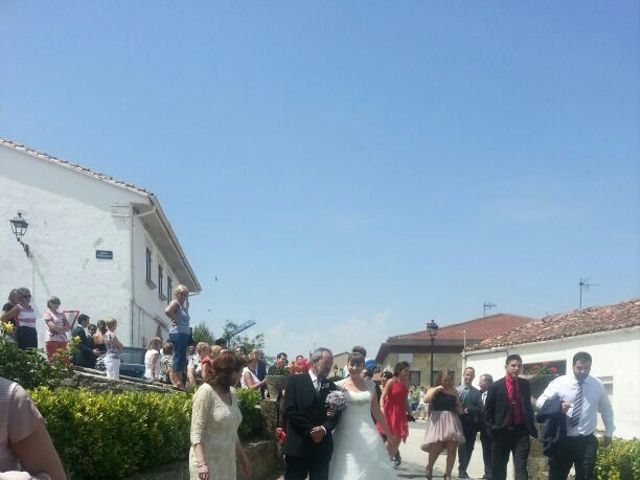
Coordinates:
[394,403]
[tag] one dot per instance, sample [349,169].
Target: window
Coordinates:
[169,289]
[414,378]
[553,367]
[148,252]
[150,283]
[405,357]
[160,283]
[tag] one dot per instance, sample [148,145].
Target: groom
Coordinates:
[309,444]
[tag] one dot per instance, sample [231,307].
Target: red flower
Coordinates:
[553,370]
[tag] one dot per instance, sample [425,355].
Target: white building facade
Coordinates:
[102,245]
[615,350]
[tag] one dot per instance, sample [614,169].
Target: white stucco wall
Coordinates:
[616,358]
[71,215]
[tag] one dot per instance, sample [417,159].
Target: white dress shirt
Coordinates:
[594,399]
[316,381]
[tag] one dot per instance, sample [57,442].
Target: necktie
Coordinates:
[577,407]
[514,400]
[465,395]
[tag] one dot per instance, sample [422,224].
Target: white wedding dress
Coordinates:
[358,450]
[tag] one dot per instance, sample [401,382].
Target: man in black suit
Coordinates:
[509,417]
[484,383]
[85,355]
[471,404]
[309,443]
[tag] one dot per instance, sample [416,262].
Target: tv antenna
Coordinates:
[584,287]
[487,306]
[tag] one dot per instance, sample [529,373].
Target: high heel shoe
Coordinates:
[446,476]
[429,473]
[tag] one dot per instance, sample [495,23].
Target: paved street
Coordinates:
[414,460]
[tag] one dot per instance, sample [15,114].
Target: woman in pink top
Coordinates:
[24,440]
[24,316]
[57,325]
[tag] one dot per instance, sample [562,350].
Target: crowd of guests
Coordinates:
[94,344]
[501,411]
[503,414]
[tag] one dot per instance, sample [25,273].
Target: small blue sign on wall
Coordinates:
[104,254]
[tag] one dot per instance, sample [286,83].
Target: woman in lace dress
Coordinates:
[358,450]
[214,423]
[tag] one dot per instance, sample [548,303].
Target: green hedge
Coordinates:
[113,435]
[620,461]
[30,368]
[247,401]
[108,435]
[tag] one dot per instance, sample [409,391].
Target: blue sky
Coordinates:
[351,170]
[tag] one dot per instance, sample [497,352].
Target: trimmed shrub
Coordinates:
[620,461]
[30,368]
[247,401]
[110,436]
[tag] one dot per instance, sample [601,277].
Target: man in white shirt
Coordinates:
[582,396]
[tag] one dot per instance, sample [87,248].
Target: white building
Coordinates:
[611,334]
[102,245]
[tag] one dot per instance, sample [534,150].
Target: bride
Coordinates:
[358,450]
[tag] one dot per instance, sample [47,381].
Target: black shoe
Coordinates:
[463,475]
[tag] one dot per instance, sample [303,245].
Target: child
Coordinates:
[166,362]
[114,349]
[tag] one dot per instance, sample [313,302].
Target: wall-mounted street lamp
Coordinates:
[432,331]
[19,227]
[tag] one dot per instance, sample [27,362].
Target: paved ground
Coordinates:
[414,460]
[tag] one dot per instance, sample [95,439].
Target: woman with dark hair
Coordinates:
[99,343]
[394,402]
[215,421]
[24,317]
[444,430]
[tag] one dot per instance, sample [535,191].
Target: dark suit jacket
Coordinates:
[304,408]
[84,357]
[496,409]
[261,370]
[555,431]
[471,420]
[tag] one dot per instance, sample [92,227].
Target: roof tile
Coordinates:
[74,166]
[474,330]
[577,322]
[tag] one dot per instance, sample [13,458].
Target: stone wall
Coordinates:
[97,381]
[261,453]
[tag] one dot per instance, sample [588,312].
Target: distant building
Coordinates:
[340,360]
[102,245]
[415,347]
[610,333]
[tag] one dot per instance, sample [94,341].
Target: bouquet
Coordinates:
[336,401]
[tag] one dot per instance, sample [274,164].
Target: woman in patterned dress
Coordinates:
[214,423]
